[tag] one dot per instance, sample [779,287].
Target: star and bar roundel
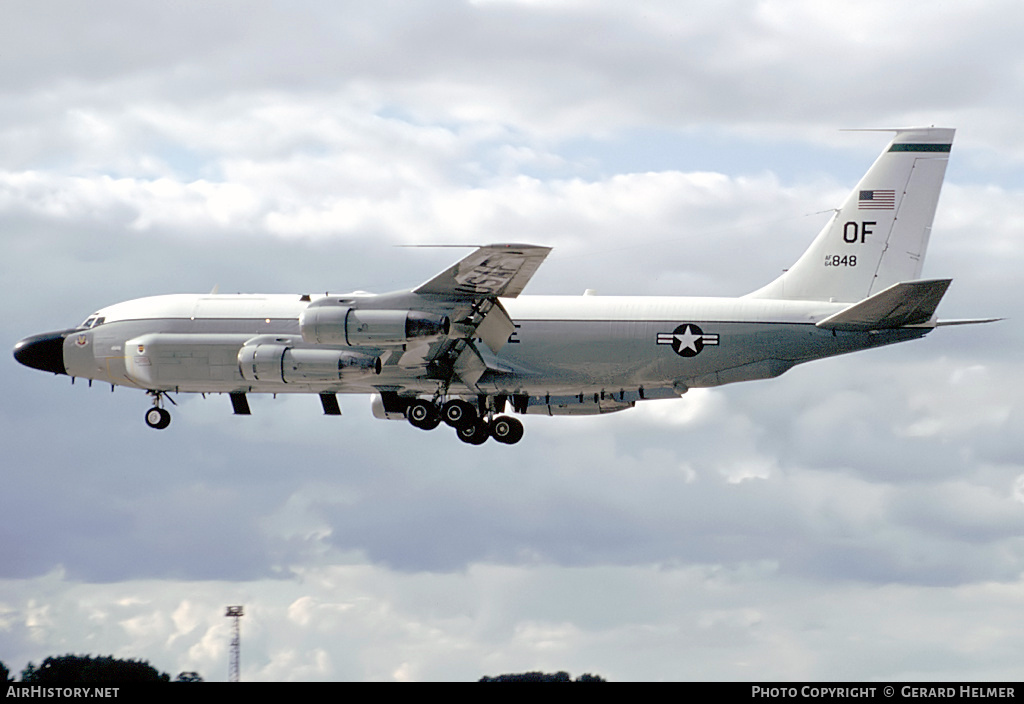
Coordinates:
[687,340]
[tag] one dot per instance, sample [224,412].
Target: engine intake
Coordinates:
[280,363]
[340,325]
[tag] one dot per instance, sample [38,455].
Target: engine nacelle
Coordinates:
[289,365]
[355,327]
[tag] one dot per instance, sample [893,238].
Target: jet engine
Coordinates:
[340,325]
[280,363]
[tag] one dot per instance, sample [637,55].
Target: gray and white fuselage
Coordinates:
[562,345]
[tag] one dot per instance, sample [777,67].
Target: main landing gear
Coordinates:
[158,417]
[469,426]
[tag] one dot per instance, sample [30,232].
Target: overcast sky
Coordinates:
[859,518]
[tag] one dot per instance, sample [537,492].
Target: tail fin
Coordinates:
[879,236]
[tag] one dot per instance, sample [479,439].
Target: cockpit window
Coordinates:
[91,322]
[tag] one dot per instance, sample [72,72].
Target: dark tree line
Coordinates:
[542,677]
[86,669]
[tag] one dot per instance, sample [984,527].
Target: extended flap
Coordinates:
[469,367]
[496,327]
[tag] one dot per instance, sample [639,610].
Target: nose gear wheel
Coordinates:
[158,417]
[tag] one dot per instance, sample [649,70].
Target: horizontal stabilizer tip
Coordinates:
[968,321]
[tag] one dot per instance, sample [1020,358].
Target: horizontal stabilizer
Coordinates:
[900,305]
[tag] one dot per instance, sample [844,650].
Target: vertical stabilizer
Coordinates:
[879,236]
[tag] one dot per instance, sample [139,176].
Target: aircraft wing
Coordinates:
[492,270]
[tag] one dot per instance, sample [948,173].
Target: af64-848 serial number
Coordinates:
[840,260]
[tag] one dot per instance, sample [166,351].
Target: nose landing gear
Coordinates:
[158,417]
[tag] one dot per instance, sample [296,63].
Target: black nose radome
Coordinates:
[45,352]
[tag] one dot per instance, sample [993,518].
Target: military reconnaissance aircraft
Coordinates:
[464,346]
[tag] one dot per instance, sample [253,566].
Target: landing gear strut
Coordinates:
[158,417]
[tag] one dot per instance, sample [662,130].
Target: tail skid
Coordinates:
[879,236]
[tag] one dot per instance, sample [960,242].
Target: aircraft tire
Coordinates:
[475,434]
[423,414]
[507,430]
[459,414]
[158,418]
